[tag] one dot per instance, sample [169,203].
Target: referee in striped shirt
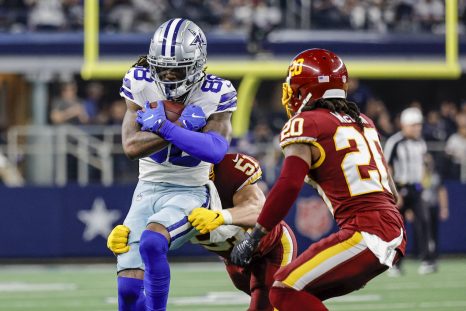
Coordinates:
[405,152]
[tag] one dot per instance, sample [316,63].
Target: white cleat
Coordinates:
[427,268]
[394,272]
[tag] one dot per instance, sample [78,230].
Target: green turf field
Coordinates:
[197,287]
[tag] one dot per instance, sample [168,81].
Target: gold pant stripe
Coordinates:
[321,257]
[287,243]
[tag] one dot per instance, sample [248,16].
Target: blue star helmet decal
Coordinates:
[198,40]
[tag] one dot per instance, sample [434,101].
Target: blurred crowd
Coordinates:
[379,15]
[92,105]
[444,128]
[256,16]
[92,108]
[41,15]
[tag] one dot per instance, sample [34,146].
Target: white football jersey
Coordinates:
[172,165]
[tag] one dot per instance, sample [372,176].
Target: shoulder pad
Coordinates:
[136,79]
[299,129]
[241,169]
[221,92]
[253,170]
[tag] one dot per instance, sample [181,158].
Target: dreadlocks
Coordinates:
[141,62]
[337,105]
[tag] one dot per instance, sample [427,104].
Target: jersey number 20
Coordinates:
[352,162]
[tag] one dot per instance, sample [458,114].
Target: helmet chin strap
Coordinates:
[304,102]
[185,97]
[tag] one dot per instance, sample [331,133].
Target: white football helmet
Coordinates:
[180,46]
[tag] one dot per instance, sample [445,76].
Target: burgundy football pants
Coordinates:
[257,279]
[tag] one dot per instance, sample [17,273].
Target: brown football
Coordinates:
[173,109]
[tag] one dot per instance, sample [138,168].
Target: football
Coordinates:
[173,109]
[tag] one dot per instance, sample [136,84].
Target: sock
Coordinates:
[130,294]
[153,247]
[288,299]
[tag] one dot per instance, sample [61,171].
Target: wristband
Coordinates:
[227,218]
[256,235]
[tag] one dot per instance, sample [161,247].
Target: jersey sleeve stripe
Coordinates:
[227,96]
[127,83]
[297,140]
[254,178]
[322,155]
[125,93]
[231,104]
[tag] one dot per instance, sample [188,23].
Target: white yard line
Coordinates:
[417,285]
[212,298]
[36,287]
[239,298]
[355,298]
[402,306]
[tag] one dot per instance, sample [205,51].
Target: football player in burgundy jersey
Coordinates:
[235,179]
[334,148]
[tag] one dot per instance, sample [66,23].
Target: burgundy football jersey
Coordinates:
[351,173]
[232,174]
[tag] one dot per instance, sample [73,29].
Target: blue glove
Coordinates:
[151,119]
[193,118]
[242,253]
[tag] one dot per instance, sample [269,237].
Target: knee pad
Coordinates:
[152,245]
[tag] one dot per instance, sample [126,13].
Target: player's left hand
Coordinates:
[205,220]
[117,240]
[193,118]
[242,253]
[151,119]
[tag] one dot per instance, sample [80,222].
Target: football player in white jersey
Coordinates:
[174,161]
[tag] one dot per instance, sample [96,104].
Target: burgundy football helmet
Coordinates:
[313,74]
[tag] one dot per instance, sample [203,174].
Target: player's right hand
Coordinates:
[242,253]
[151,119]
[117,240]
[205,220]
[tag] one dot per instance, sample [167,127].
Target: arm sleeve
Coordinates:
[284,192]
[209,147]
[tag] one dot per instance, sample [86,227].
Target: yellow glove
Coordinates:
[117,240]
[206,220]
